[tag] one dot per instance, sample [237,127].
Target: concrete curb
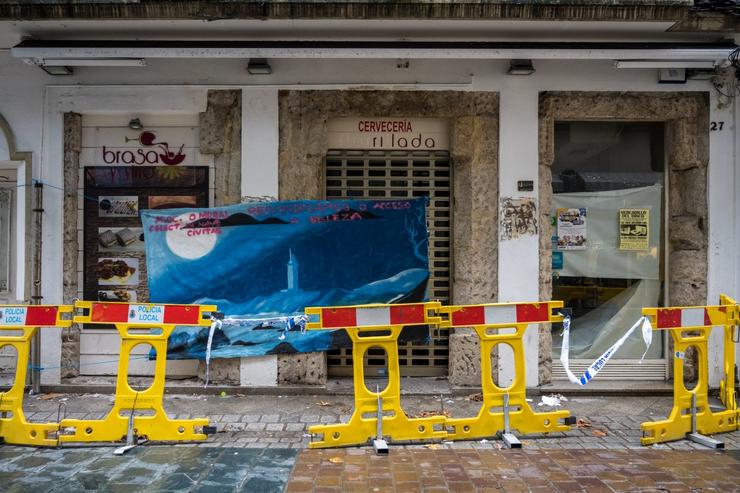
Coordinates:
[647,390]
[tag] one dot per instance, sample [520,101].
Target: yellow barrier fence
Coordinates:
[692,416]
[27,320]
[139,324]
[504,409]
[376,413]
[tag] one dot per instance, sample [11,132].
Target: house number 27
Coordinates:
[716,126]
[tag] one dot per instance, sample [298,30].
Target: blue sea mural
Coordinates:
[263,263]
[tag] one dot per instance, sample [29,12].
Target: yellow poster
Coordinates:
[633,229]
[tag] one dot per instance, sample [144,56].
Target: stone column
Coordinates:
[72,144]
[220,135]
[474,143]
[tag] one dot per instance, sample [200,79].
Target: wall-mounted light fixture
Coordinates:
[665,64]
[57,69]
[93,62]
[135,124]
[520,67]
[259,66]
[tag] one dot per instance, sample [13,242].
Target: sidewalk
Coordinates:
[281,421]
[261,447]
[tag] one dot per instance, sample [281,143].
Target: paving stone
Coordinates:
[270,418]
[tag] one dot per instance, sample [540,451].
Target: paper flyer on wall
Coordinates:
[634,229]
[571,228]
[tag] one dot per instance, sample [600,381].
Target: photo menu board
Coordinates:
[114,253]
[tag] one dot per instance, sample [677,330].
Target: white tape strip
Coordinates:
[596,366]
[215,323]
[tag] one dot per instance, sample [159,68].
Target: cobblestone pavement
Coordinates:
[260,421]
[524,470]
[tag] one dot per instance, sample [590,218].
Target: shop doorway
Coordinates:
[396,174]
[609,242]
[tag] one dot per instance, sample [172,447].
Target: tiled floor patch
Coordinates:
[443,470]
[152,468]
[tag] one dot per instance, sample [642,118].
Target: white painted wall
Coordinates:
[721,196]
[33,107]
[518,259]
[259,182]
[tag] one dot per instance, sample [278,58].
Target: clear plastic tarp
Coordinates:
[602,257]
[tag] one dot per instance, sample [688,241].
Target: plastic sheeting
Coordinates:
[602,257]
[595,331]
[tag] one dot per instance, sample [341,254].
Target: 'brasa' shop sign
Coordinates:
[408,134]
[121,146]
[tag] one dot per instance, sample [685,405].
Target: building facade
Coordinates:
[587,153]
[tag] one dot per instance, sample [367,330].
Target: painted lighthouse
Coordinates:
[292,271]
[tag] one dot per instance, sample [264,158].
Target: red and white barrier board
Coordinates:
[381,316]
[515,313]
[28,316]
[131,313]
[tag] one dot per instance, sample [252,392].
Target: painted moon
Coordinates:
[190,243]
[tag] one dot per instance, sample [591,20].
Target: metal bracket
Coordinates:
[131,439]
[507,436]
[379,444]
[696,437]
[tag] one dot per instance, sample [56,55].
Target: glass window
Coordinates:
[5,217]
[607,216]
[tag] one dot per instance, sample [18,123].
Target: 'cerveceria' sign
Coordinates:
[388,133]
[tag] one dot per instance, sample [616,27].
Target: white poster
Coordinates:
[571,224]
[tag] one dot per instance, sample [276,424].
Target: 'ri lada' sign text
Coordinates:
[406,134]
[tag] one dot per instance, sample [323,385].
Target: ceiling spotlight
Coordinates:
[259,66]
[135,124]
[57,69]
[520,67]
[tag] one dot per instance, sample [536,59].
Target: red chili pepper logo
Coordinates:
[167,156]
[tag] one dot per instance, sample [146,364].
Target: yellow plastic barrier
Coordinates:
[27,319]
[376,326]
[691,416]
[130,320]
[503,409]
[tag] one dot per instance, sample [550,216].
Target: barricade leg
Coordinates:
[491,416]
[14,428]
[680,422]
[157,426]
[731,337]
[363,425]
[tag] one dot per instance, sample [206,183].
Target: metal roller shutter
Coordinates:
[397,175]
